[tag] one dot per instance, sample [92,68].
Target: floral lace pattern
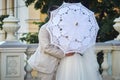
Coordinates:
[73,27]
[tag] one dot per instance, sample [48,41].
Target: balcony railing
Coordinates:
[14,56]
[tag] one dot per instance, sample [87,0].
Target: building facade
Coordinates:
[26,15]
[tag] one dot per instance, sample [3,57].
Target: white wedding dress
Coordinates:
[79,67]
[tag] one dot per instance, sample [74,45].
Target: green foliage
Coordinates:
[30,37]
[106,11]
[43,4]
[1,20]
[29,2]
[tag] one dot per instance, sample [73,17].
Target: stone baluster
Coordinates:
[110,62]
[28,76]
[116,61]
[105,65]
[27,68]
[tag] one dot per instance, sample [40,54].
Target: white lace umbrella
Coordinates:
[72,27]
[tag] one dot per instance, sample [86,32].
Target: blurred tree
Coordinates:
[30,37]
[105,10]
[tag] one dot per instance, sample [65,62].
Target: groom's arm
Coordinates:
[44,41]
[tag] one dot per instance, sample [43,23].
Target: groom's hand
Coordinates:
[70,54]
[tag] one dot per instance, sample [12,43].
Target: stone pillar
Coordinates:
[12,52]
[12,61]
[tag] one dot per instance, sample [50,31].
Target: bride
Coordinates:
[79,67]
[76,65]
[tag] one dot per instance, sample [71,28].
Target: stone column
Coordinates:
[10,6]
[4,7]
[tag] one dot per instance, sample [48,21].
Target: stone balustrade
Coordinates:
[13,60]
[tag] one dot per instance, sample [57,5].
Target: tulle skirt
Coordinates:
[79,67]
